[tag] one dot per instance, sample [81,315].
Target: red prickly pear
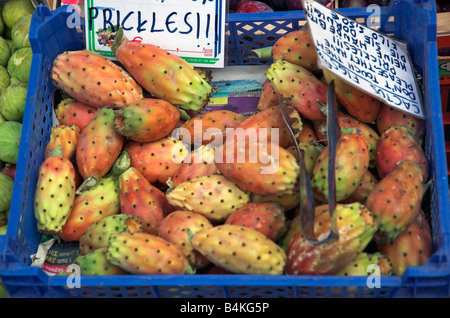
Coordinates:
[99,146]
[358,104]
[67,137]
[395,144]
[263,122]
[268,96]
[148,120]
[71,112]
[267,218]
[389,116]
[260,168]
[177,228]
[205,128]
[413,247]
[157,161]
[352,162]
[395,201]
[356,228]
[200,163]
[140,198]
[93,79]
[162,74]
[299,84]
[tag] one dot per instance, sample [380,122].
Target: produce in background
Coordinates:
[12,10]
[254,7]
[6,189]
[10,133]
[240,250]
[55,193]
[20,31]
[5,51]
[13,100]
[5,79]
[19,64]
[162,74]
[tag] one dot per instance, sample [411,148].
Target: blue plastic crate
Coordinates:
[411,21]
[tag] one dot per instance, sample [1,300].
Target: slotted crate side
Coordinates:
[431,279]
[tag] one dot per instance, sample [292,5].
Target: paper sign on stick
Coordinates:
[191,29]
[367,59]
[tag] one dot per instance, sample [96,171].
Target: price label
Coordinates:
[375,63]
[192,29]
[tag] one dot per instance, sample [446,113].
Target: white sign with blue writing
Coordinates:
[191,29]
[375,63]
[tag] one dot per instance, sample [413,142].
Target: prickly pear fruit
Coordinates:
[215,197]
[368,264]
[287,201]
[55,193]
[296,47]
[299,84]
[294,226]
[162,74]
[240,249]
[367,184]
[395,144]
[67,137]
[146,254]
[267,218]
[357,103]
[308,133]
[175,228]
[96,263]
[90,205]
[140,198]
[205,128]
[99,146]
[352,162]
[356,228]
[149,119]
[71,112]
[389,116]
[259,127]
[200,163]
[413,247]
[395,201]
[261,168]
[93,79]
[98,233]
[311,151]
[157,161]
[268,96]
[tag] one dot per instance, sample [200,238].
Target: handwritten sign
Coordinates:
[375,63]
[192,29]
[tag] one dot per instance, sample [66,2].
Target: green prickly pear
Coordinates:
[366,264]
[240,249]
[146,254]
[98,233]
[96,263]
[55,193]
[214,196]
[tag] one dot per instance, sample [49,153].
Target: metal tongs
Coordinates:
[307,206]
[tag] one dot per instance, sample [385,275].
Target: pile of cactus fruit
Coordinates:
[117,178]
